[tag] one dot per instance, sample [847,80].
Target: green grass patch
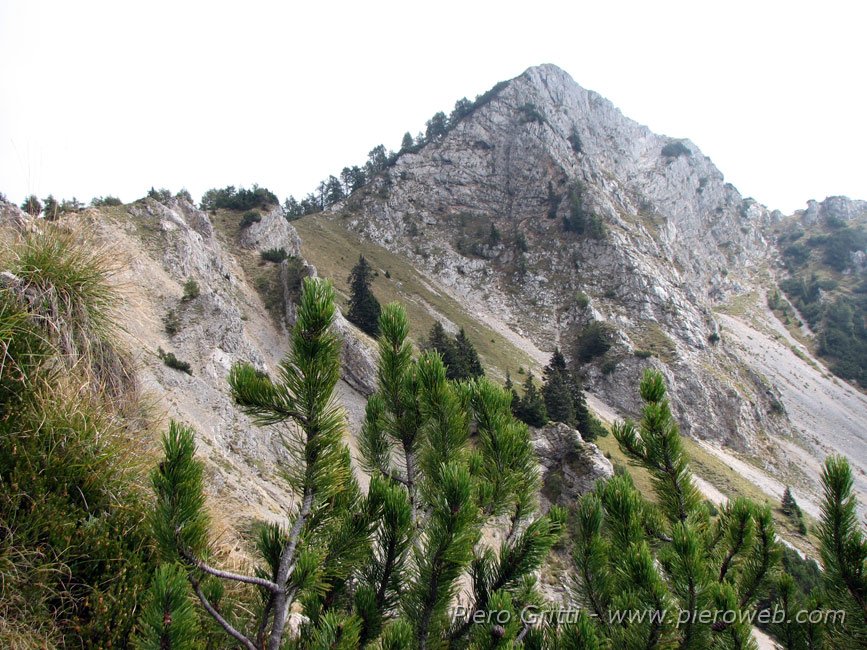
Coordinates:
[650,338]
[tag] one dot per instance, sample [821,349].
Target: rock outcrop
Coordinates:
[570,466]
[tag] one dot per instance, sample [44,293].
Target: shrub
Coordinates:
[231,199]
[530,113]
[32,206]
[105,201]
[191,290]
[249,218]
[575,141]
[675,149]
[172,322]
[275,255]
[609,365]
[593,341]
[713,338]
[173,362]
[162,195]
[643,354]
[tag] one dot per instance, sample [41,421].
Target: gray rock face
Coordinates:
[13,215]
[570,466]
[679,240]
[833,207]
[273,231]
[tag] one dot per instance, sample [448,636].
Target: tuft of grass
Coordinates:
[66,287]
[650,338]
[75,552]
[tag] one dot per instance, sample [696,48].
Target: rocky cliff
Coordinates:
[678,241]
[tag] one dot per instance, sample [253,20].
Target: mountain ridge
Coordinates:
[681,246]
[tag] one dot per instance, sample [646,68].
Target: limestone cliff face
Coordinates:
[679,241]
[833,207]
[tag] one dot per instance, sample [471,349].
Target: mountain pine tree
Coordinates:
[415,436]
[382,567]
[669,557]
[844,554]
[364,308]
[168,619]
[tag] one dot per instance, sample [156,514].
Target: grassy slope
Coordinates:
[333,250]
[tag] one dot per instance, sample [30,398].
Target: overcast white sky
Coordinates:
[114,97]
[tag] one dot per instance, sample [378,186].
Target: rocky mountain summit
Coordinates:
[548,211]
[677,239]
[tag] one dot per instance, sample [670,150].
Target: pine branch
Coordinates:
[228,575]
[231,631]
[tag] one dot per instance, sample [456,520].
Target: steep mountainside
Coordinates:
[545,210]
[543,153]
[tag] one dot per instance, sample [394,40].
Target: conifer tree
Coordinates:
[415,436]
[382,567]
[439,341]
[844,554]
[565,401]
[51,208]
[631,555]
[792,510]
[364,308]
[467,358]
[458,354]
[168,619]
[557,390]
[311,559]
[32,205]
[531,405]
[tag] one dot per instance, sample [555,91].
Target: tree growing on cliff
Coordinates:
[364,308]
[565,400]
[458,353]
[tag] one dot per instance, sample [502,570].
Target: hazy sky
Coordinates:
[114,97]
